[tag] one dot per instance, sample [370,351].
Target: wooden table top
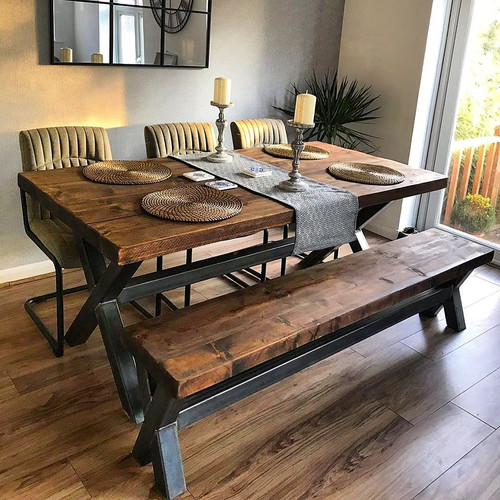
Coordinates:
[110,217]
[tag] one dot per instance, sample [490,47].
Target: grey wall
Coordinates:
[263,45]
[383,45]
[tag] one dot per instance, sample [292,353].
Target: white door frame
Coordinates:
[445,113]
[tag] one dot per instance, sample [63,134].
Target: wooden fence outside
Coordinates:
[486,180]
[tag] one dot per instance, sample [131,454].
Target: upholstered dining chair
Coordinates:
[178,138]
[185,138]
[51,149]
[254,133]
[167,139]
[258,132]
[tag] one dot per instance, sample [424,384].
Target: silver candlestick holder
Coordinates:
[221,156]
[295,182]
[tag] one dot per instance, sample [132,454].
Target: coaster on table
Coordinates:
[221,185]
[193,203]
[127,172]
[198,176]
[285,151]
[257,171]
[365,173]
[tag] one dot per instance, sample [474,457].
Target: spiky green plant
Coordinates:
[340,103]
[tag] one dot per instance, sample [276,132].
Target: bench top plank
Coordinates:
[209,342]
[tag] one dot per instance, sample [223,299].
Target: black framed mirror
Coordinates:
[159,33]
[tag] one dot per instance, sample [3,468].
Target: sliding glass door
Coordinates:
[465,137]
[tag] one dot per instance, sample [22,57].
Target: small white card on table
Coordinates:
[221,185]
[198,176]
[257,171]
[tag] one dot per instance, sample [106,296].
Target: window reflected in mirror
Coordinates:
[131,32]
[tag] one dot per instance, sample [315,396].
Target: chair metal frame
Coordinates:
[57,342]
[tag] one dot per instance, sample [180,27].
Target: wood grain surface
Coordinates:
[214,340]
[111,218]
[320,433]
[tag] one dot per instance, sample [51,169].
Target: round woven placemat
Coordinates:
[285,151]
[365,173]
[127,172]
[192,204]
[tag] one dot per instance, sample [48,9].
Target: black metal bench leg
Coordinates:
[167,462]
[121,361]
[432,312]
[454,311]
[162,410]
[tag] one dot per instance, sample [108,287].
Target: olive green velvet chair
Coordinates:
[167,139]
[258,132]
[51,149]
[178,138]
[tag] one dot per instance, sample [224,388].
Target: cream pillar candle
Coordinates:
[222,90]
[97,58]
[305,106]
[66,54]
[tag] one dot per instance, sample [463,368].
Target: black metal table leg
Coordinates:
[121,361]
[93,262]
[360,243]
[109,287]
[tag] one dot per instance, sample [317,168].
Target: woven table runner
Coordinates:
[325,216]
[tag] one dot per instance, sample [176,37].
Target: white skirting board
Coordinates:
[26,271]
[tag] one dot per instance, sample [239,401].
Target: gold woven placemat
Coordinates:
[127,172]
[365,173]
[192,204]
[285,151]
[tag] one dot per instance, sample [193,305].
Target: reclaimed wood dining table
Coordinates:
[116,235]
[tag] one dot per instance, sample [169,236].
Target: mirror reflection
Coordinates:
[131,32]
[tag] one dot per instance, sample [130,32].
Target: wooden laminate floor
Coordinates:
[413,412]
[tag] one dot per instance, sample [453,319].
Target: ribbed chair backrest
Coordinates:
[61,147]
[258,132]
[178,138]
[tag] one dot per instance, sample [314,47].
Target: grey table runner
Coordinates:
[325,215]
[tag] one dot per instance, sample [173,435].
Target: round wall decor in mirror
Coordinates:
[176,14]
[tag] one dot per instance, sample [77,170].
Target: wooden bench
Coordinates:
[212,354]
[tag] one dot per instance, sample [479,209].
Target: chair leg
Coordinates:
[60,312]
[283,260]
[263,267]
[56,343]
[187,288]
[159,267]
